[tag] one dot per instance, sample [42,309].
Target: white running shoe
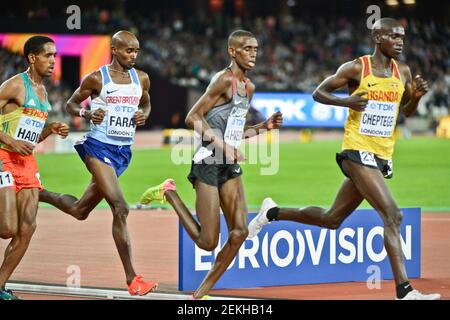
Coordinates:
[416,295]
[260,220]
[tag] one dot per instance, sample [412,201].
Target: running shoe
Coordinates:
[157,193]
[139,287]
[260,220]
[8,295]
[416,295]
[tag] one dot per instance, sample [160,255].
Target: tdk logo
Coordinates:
[381,106]
[284,248]
[300,109]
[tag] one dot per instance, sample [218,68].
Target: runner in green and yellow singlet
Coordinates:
[23,112]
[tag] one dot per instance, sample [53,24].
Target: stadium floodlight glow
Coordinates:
[291,3]
[409,1]
[392,2]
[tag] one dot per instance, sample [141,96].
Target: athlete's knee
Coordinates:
[43,195]
[120,209]
[209,246]
[237,236]
[8,231]
[79,210]
[27,229]
[331,222]
[208,242]
[393,218]
[333,225]
[82,215]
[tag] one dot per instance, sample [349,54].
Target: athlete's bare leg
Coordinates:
[8,213]
[372,186]
[77,208]
[27,206]
[346,201]
[106,182]
[234,207]
[366,183]
[206,233]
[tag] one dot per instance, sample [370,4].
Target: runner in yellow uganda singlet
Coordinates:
[373,129]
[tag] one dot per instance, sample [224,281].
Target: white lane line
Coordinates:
[103,293]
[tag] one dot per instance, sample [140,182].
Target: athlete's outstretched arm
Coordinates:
[90,87]
[414,90]
[11,91]
[144,105]
[348,72]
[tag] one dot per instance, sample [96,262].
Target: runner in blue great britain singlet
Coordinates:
[110,141]
[120,103]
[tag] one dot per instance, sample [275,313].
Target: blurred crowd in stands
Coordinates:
[294,54]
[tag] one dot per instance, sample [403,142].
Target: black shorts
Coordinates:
[213,174]
[367,159]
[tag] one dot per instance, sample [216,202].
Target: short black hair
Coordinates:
[239,33]
[385,23]
[35,45]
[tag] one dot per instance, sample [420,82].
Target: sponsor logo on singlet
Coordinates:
[30,125]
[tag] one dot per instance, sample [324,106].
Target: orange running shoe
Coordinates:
[139,287]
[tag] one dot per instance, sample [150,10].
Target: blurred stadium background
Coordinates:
[183,43]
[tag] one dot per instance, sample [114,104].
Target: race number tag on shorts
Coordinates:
[368,158]
[390,168]
[6,179]
[201,154]
[29,129]
[378,119]
[235,126]
[120,122]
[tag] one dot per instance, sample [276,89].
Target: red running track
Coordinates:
[61,241]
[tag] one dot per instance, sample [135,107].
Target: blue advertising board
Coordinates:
[288,253]
[300,110]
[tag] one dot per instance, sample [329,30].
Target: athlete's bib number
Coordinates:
[378,119]
[120,122]
[368,158]
[235,127]
[29,129]
[6,179]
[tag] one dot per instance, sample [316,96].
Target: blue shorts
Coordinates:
[118,157]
